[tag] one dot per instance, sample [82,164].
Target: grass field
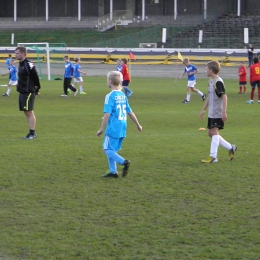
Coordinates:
[55,205]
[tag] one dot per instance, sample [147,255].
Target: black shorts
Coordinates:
[125,83]
[26,101]
[255,83]
[215,122]
[242,83]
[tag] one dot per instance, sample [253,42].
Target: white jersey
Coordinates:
[215,90]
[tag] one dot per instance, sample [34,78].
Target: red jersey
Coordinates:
[242,73]
[125,72]
[255,72]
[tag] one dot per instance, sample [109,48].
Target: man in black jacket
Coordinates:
[28,86]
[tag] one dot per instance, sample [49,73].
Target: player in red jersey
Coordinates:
[254,80]
[242,78]
[126,78]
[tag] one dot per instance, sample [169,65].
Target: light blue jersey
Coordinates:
[77,67]
[188,69]
[68,70]
[13,73]
[116,104]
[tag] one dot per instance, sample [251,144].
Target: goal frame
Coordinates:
[47,46]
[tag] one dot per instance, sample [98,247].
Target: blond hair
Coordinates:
[115,77]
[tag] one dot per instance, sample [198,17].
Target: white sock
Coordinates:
[80,89]
[8,91]
[188,97]
[200,93]
[224,143]
[214,146]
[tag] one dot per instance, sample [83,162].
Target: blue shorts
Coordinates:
[110,143]
[125,83]
[255,83]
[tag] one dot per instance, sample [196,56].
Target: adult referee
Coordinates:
[28,86]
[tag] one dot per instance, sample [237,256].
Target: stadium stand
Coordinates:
[227,31]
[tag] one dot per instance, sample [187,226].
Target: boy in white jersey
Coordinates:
[77,75]
[116,109]
[191,70]
[217,113]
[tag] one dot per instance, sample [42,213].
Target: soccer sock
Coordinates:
[32,132]
[80,89]
[8,91]
[240,89]
[200,93]
[258,94]
[252,94]
[188,97]
[127,90]
[245,89]
[112,165]
[224,143]
[115,156]
[214,146]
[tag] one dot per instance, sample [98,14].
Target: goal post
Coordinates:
[42,46]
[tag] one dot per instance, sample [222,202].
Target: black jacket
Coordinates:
[27,77]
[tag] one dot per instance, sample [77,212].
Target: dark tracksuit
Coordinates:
[68,77]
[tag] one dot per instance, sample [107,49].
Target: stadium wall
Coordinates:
[69,8]
[227,57]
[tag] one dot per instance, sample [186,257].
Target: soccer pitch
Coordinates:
[55,205]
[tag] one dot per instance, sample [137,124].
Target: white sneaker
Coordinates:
[75,93]
[64,95]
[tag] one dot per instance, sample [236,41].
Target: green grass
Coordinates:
[55,205]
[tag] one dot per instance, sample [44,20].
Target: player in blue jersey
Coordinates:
[191,70]
[68,74]
[119,65]
[77,75]
[116,109]
[12,78]
[7,62]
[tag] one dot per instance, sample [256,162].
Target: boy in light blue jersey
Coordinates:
[12,77]
[191,70]
[68,74]
[116,109]
[77,76]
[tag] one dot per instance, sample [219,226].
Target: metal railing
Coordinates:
[118,17]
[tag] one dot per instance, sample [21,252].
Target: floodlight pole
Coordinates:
[238,7]
[175,10]
[47,10]
[143,10]
[111,10]
[15,10]
[79,10]
[205,9]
